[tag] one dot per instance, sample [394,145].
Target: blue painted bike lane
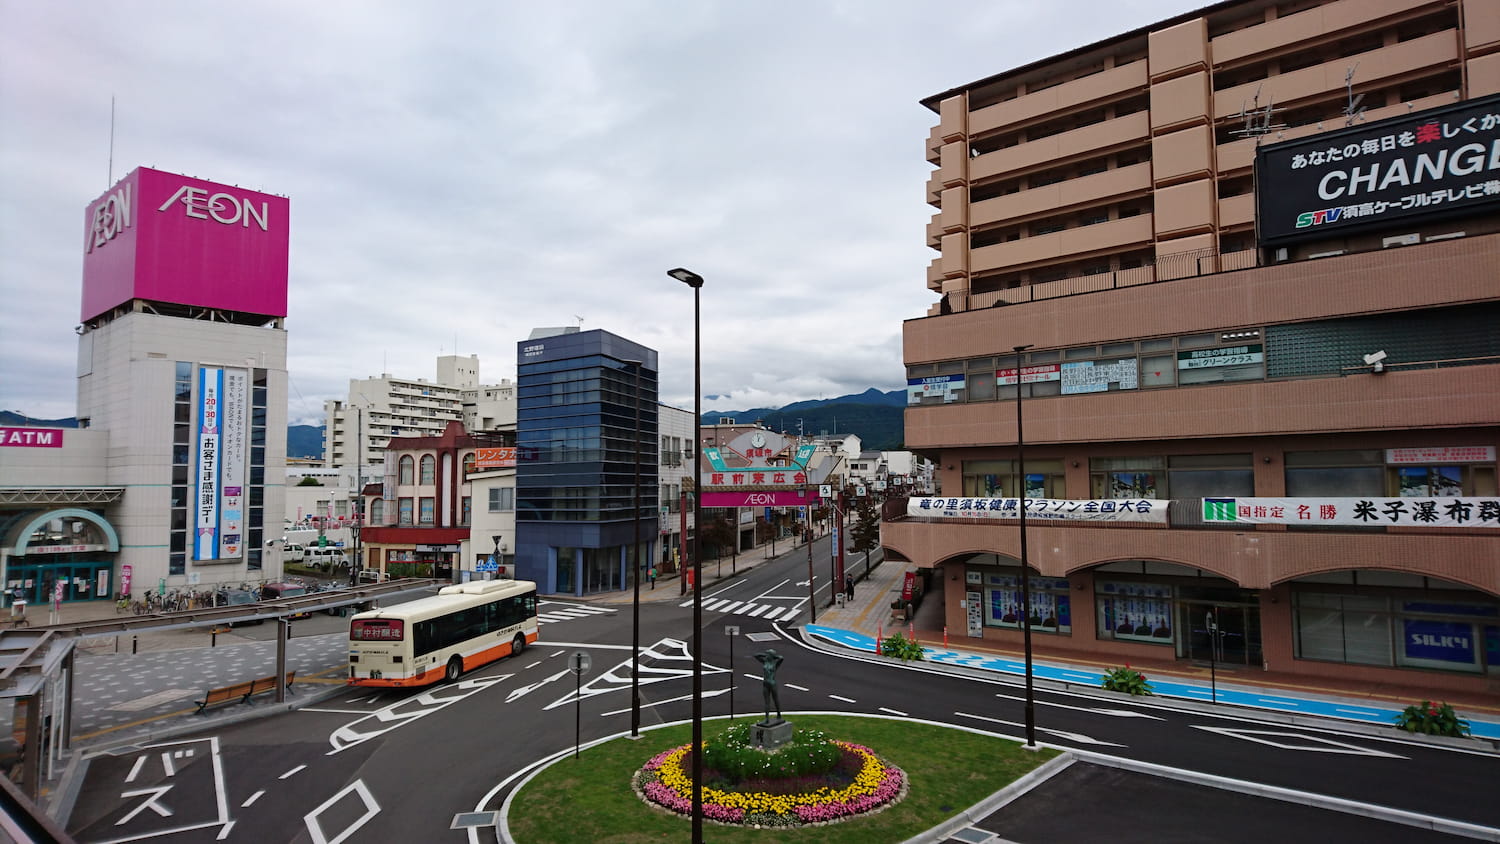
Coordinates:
[1311,706]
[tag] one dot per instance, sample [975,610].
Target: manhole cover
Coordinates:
[466,820]
[762,637]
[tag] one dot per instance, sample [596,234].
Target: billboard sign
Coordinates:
[1436,511]
[206,474]
[946,387]
[11,437]
[171,238]
[1441,161]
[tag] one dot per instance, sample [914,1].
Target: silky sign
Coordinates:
[1405,512]
[1054,509]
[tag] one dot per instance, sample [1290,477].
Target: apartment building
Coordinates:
[376,409]
[1235,276]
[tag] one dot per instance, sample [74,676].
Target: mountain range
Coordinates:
[874,416]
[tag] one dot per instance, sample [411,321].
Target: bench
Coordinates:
[241,692]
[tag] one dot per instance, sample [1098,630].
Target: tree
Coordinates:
[866,530]
[309,481]
[717,532]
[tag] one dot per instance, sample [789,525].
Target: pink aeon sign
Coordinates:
[170,238]
[760,498]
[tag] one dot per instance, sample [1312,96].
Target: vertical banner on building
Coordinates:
[206,535]
[233,406]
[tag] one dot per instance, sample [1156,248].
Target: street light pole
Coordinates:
[1025,573]
[635,572]
[695,281]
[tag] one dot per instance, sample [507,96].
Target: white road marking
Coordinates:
[135,769]
[1298,741]
[335,711]
[1075,737]
[844,699]
[708,694]
[898,713]
[758,609]
[315,827]
[798,688]
[150,801]
[251,799]
[292,772]
[1120,713]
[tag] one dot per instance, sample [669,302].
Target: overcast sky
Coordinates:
[463,172]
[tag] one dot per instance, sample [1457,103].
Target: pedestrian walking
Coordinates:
[652,575]
[848,588]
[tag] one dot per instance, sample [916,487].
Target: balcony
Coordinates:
[1113,235]
[1069,96]
[1048,199]
[1436,51]
[1044,152]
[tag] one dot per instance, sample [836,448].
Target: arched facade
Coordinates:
[67,547]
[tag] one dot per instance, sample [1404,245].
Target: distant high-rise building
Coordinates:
[578,398]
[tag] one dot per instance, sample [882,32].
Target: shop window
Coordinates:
[1334,474]
[1126,477]
[1049,600]
[1134,612]
[427,511]
[403,509]
[1209,476]
[997,479]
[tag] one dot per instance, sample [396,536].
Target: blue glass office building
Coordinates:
[576,431]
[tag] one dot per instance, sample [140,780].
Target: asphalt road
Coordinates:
[399,765]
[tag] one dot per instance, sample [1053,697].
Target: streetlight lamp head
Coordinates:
[688,277]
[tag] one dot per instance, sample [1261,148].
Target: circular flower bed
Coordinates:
[666,782]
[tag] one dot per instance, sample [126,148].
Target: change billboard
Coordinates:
[1440,161]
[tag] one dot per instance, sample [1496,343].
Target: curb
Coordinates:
[1472,744]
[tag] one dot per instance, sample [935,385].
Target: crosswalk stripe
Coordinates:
[734,606]
[715,604]
[755,610]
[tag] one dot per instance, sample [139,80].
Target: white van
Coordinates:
[292,553]
[326,559]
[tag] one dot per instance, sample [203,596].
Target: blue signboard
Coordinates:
[1444,641]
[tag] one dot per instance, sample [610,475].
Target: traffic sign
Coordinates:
[579,662]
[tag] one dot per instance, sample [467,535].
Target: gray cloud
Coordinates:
[462,173]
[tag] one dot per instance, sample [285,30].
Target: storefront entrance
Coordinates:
[81,579]
[1224,631]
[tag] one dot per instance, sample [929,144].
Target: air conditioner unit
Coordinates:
[1280,254]
[1329,254]
[1401,240]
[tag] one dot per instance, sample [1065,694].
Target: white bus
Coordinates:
[431,639]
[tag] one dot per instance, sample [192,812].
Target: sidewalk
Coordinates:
[868,618]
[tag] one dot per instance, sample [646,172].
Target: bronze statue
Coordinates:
[769,660]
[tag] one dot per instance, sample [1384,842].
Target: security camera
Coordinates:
[1375,357]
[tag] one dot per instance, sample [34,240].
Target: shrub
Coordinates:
[1433,719]
[1127,680]
[732,757]
[902,648]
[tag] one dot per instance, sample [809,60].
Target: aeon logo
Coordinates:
[111,218]
[221,207]
[756,499]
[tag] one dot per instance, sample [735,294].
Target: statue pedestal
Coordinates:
[769,736]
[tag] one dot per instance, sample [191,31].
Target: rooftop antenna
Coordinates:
[1354,111]
[1258,121]
[580,321]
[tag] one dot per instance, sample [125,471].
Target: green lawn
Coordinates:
[591,800]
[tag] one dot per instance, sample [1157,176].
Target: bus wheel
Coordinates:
[517,644]
[455,668]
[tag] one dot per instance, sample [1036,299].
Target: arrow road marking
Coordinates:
[617,678]
[403,712]
[1298,741]
[1074,737]
[1118,713]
